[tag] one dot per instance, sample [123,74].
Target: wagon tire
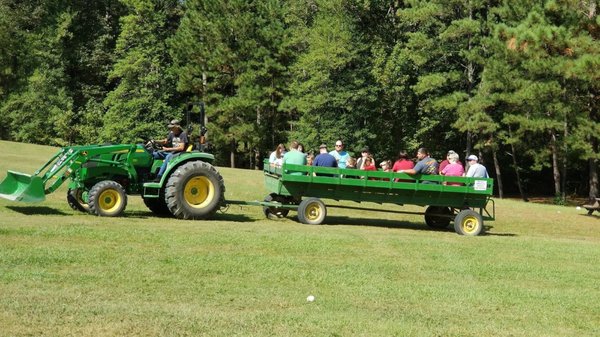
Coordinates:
[468,222]
[438,217]
[195,190]
[75,200]
[312,211]
[275,211]
[107,198]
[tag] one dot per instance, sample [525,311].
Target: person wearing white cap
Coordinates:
[476,170]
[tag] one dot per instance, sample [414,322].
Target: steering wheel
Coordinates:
[152,145]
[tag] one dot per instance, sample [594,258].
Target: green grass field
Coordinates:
[65,273]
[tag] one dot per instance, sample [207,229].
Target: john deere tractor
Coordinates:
[102,176]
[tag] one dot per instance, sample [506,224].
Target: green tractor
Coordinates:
[102,176]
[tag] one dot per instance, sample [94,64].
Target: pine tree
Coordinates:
[234,56]
[143,100]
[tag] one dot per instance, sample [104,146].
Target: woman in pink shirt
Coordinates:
[454,169]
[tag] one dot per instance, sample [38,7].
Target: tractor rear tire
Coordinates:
[107,198]
[75,200]
[434,217]
[468,222]
[312,211]
[194,191]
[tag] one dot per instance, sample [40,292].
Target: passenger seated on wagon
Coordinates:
[386,166]
[364,153]
[324,159]
[425,166]
[351,164]
[453,169]
[369,165]
[476,170]
[446,161]
[403,163]
[310,158]
[276,157]
[294,157]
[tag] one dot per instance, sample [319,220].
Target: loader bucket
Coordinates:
[22,187]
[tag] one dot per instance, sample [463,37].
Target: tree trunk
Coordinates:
[232,154]
[498,175]
[593,180]
[257,160]
[564,164]
[555,165]
[593,177]
[516,167]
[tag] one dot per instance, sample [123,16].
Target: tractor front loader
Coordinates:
[102,176]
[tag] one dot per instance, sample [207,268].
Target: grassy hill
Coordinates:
[373,274]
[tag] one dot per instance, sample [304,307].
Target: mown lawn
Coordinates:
[65,273]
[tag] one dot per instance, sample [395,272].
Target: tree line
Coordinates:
[515,82]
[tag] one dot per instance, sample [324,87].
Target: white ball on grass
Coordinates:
[310,298]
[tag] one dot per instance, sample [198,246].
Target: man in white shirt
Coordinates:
[476,170]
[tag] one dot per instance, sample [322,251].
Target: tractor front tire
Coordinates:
[194,191]
[107,198]
[468,222]
[75,200]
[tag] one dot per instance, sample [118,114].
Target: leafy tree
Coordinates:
[144,96]
[331,88]
[234,55]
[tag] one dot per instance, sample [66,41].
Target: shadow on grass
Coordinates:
[348,221]
[36,210]
[487,232]
[216,217]
[370,222]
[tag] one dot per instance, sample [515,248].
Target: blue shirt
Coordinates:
[341,157]
[325,160]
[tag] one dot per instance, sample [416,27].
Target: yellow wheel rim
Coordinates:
[470,224]
[199,192]
[313,212]
[110,200]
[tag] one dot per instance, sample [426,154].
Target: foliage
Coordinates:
[516,81]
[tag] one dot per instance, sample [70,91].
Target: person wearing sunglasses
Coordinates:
[341,156]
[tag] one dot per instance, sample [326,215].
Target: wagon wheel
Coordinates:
[107,198]
[312,211]
[468,222]
[276,211]
[438,217]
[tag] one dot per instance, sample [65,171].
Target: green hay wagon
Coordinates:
[300,188]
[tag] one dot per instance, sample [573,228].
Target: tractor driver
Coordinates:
[174,143]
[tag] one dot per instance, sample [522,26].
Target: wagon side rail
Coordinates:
[379,186]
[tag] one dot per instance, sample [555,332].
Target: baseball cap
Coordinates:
[473,157]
